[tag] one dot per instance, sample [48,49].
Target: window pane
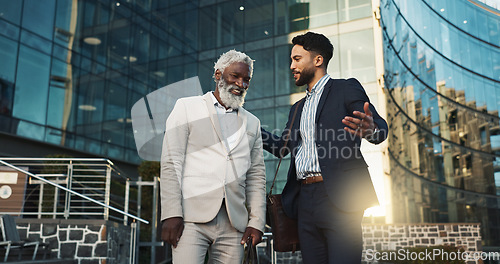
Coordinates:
[354,9]
[205,73]
[230,30]
[11,10]
[494,30]
[140,42]
[59,83]
[258,19]
[56,107]
[8,54]
[38,17]
[357,56]
[30,130]
[120,44]
[36,42]
[113,151]
[334,64]
[285,84]
[115,114]
[9,30]
[263,74]
[323,13]
[282,17]
[90,106]
[6,96]
[31,82]
[299,16]
[207,28]
[63,16]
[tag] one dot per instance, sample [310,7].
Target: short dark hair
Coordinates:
[314,42]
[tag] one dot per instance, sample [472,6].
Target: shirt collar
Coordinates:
[318,87]
[219,105]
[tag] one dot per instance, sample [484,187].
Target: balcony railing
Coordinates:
[65,187]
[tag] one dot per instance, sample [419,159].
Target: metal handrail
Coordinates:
[70,159]
[69,190]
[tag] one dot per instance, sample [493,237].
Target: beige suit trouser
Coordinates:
[218,237]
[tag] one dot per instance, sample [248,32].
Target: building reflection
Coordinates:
[444,144]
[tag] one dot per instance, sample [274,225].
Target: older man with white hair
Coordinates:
[212,170]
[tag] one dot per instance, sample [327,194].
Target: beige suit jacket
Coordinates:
[198,170]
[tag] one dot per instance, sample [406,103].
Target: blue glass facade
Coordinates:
[442,77]
[72,69]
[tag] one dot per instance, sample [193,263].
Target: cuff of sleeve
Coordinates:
[374,137]
[378,136]
[171,213]
[256,225]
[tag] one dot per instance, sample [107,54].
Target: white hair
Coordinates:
[231,57]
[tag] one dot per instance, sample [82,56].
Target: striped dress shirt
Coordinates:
[306,160]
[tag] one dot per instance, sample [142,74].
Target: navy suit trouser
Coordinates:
[327,235]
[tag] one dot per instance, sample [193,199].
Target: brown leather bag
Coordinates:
[284,228]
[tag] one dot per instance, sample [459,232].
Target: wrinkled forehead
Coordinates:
[239,68]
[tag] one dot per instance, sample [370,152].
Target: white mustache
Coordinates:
[234,87]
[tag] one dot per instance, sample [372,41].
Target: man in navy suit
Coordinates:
[328,186]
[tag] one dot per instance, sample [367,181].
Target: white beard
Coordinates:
[228,99]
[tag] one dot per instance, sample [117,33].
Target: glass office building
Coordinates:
[443,99]
[71,70]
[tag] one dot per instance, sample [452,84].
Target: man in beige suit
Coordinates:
[212,170]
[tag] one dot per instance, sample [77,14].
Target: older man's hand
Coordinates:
[171,230]
[253,233]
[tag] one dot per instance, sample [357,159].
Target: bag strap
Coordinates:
[284,146]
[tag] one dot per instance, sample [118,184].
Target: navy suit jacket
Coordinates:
[345,173]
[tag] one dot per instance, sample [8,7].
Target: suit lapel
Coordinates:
[298,117]
[213,115]
[322,100]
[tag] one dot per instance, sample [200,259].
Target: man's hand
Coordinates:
[363,126]
[171,230]
[255,234]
